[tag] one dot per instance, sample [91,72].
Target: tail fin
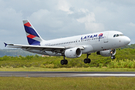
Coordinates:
[32,36]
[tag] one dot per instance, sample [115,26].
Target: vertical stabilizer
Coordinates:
[32,36]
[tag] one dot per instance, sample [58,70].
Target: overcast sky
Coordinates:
[61,18]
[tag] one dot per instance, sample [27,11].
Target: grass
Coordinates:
[89,69]
[78,83]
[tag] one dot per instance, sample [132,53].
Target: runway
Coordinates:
[66,74]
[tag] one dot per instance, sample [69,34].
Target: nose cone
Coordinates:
[127,40]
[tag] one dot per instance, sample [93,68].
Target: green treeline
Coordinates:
[125,58]
[130,46]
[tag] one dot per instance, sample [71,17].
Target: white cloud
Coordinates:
[131,24]
[64,6]
[39,15]
[45,17]
[94,26]
[9,14]
[90,23]
[87,19]
[83,10]
[9,22]
[60,18]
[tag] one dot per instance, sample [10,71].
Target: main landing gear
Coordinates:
[64,62]
[87,60]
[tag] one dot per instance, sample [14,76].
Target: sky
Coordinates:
[63,18]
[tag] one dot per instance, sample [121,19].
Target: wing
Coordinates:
[39,49]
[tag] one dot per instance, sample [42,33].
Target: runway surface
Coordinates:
[66,74]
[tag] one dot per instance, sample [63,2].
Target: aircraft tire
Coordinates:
[113,57]
[87,60]
[64,62]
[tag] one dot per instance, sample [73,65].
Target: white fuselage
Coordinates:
[91,42]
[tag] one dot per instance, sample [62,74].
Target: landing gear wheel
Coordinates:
[64,62]
[112,57]
[87,60]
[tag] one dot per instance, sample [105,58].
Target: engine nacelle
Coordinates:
[107,52]
[73,52]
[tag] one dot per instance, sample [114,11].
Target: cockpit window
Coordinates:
[121,34]
[117,35]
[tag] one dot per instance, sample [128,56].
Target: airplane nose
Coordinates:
[127,40]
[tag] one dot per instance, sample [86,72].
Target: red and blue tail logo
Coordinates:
[32,36]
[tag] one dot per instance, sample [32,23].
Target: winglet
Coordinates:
[5,44]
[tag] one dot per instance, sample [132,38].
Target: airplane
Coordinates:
[103,43]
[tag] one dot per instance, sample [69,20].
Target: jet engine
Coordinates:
[111,52]
[73,52]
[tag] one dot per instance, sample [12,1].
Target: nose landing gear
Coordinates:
[112,57]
